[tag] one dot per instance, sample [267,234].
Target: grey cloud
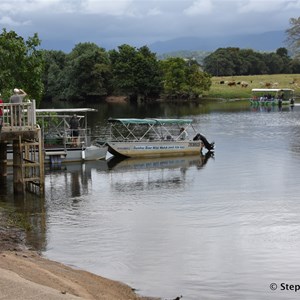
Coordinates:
[139,22]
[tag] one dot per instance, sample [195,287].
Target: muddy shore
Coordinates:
[26,275]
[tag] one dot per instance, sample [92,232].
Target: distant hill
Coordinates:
[268,41]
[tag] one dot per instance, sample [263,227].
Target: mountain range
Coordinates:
[267,41]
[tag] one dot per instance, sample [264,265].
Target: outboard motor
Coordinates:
[202,138]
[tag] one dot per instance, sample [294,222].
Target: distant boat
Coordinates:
[155,138]
[278,97]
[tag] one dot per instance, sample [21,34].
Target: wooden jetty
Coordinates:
[21,132]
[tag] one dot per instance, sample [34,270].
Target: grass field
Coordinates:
[225,91]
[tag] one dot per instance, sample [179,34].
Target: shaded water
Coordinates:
[223,227]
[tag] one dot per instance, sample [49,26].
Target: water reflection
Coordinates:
[222,228]
[271,108]
[30,212]
[73,178]
[182,162]
[161,173]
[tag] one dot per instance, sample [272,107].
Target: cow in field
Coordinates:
[231,83]
[244,84]
[268,84]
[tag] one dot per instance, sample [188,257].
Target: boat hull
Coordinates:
[65,155]
[154,148]
[75,154]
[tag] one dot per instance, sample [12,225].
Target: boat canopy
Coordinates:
[150,121]
[271,90]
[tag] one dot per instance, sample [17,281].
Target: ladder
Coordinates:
[28,165]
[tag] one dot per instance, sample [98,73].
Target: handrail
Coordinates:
[19,116]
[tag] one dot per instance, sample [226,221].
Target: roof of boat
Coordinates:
[272,90]
[150,121]
[67,110]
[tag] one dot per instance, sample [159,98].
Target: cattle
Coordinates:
[268,84]
[231,83]
[222,82]
[244,84]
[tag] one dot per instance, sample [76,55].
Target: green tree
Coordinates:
[136,72]
[184,78]
[21,64]
[53,75]
[293,36]
[173,76]
[223,62]
[87,73]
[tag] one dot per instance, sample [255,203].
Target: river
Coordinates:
[221,227]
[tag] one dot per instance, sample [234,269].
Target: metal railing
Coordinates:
[18,116]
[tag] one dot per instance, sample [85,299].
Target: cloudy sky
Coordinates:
[109,23]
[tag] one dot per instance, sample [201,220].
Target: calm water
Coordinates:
[223,227]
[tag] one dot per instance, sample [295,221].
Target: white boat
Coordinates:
[278,97]
[155,138]
[58,144]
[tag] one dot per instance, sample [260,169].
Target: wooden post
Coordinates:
[3,159]
[17,167]
[41,161]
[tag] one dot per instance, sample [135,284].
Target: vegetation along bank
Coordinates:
[89,73]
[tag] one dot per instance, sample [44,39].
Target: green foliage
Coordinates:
[136,72]
[83,74]
[235,61]
[53,79]
[184,78]
[21,65]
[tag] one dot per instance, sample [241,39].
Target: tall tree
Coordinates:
[293,36]
[53,75]
[21,64]
[87,73]
[184,78]
[136,72]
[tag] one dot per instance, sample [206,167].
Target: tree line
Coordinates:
[90,73]
[234,61]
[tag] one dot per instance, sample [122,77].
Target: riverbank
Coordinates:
[239,87]
[26,275]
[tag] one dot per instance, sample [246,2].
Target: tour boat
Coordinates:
[155,138]
[284,96]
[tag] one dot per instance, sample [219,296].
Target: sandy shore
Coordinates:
[27,275]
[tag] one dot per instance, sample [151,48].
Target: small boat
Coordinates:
[278,97]
[154,138]
[58,141]
[59,145]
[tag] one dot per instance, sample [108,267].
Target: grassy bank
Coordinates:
[225,91]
